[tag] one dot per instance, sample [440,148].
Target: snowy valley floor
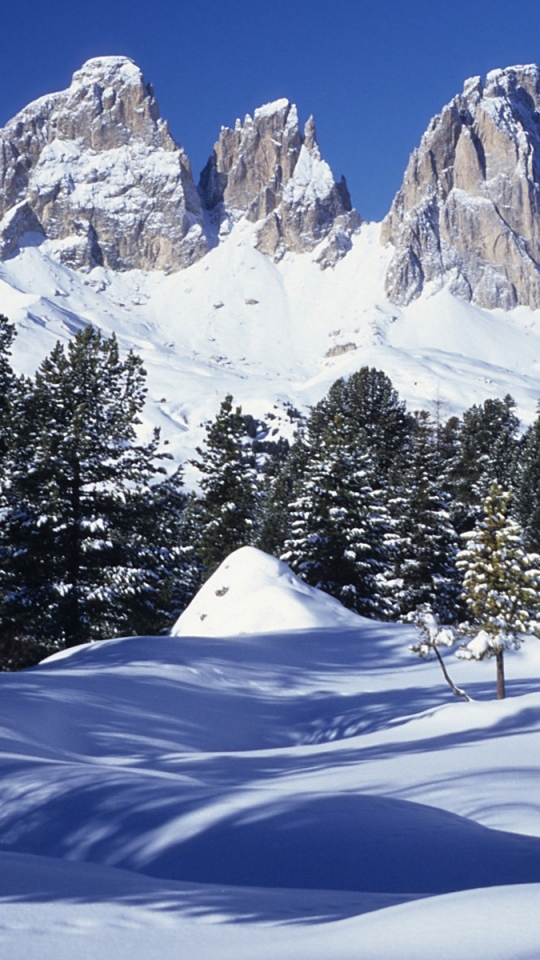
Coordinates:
[311,794]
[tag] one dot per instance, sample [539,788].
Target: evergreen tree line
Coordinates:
[372,503]
[368,501]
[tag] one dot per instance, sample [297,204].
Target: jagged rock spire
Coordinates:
[267,171]
[468,212]
[94,170]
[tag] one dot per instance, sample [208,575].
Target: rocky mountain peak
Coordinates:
[95,170]
[268,171]
[468,211]
[107,105]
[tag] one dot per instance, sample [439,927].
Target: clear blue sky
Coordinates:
[372,74]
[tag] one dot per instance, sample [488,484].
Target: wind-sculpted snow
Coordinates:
[252,592]
[305,776]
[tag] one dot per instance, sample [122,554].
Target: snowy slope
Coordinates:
[272,332]
[304,794]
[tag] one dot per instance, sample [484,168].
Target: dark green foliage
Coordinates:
[425,541]
[17,652]
[365,410]
[278,494]
[226,512]
[487,446]
[338,528]
[78,499]
[8,382]
[526,501]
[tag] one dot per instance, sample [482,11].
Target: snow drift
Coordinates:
[281,793]
[252,592]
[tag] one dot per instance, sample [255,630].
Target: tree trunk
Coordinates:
[457,690]
[500,675]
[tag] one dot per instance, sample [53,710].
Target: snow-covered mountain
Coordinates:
[263,282]
[468,213]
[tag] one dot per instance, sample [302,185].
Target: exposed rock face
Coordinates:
[95,169]
[267,171]
[468,212]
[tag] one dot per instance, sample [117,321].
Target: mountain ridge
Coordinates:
[272,328]
[95,169]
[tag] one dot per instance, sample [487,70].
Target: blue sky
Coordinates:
[372,74]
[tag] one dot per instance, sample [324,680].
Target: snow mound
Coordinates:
[252,592]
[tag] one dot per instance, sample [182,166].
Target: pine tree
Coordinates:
[501,584]
[162,541]
[424,540]
[77,479]
[274,528]
[226,512]
[8,382]
[487,447]
[526,501]
[365,409]
[338,527]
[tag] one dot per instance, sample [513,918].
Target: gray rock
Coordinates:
[267,171]
[95,169]
[468,211]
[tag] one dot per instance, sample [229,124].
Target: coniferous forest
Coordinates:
[370,502]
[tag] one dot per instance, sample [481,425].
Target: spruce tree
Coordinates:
[425,542]
[338,529]
[365,409]
[226,512]
[77,478]
[526,501]
[8,383]
[278,494]
[501,584]
[487,448]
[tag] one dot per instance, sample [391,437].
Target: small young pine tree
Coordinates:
[501,584]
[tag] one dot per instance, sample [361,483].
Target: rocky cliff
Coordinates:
[468,212]
[268,171]
[95,170]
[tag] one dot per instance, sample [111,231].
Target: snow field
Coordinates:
[307,793]
[236,322]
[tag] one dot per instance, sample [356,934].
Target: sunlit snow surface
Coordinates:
[309,794]
[271,333]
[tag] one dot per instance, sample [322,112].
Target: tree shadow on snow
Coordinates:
[350,842]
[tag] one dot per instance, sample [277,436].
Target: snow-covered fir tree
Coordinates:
[424,540]
[77,478]
[338,528]
[224,516]
[486,448]
[501,584]
[526,500]
[366,408]
[278,493]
